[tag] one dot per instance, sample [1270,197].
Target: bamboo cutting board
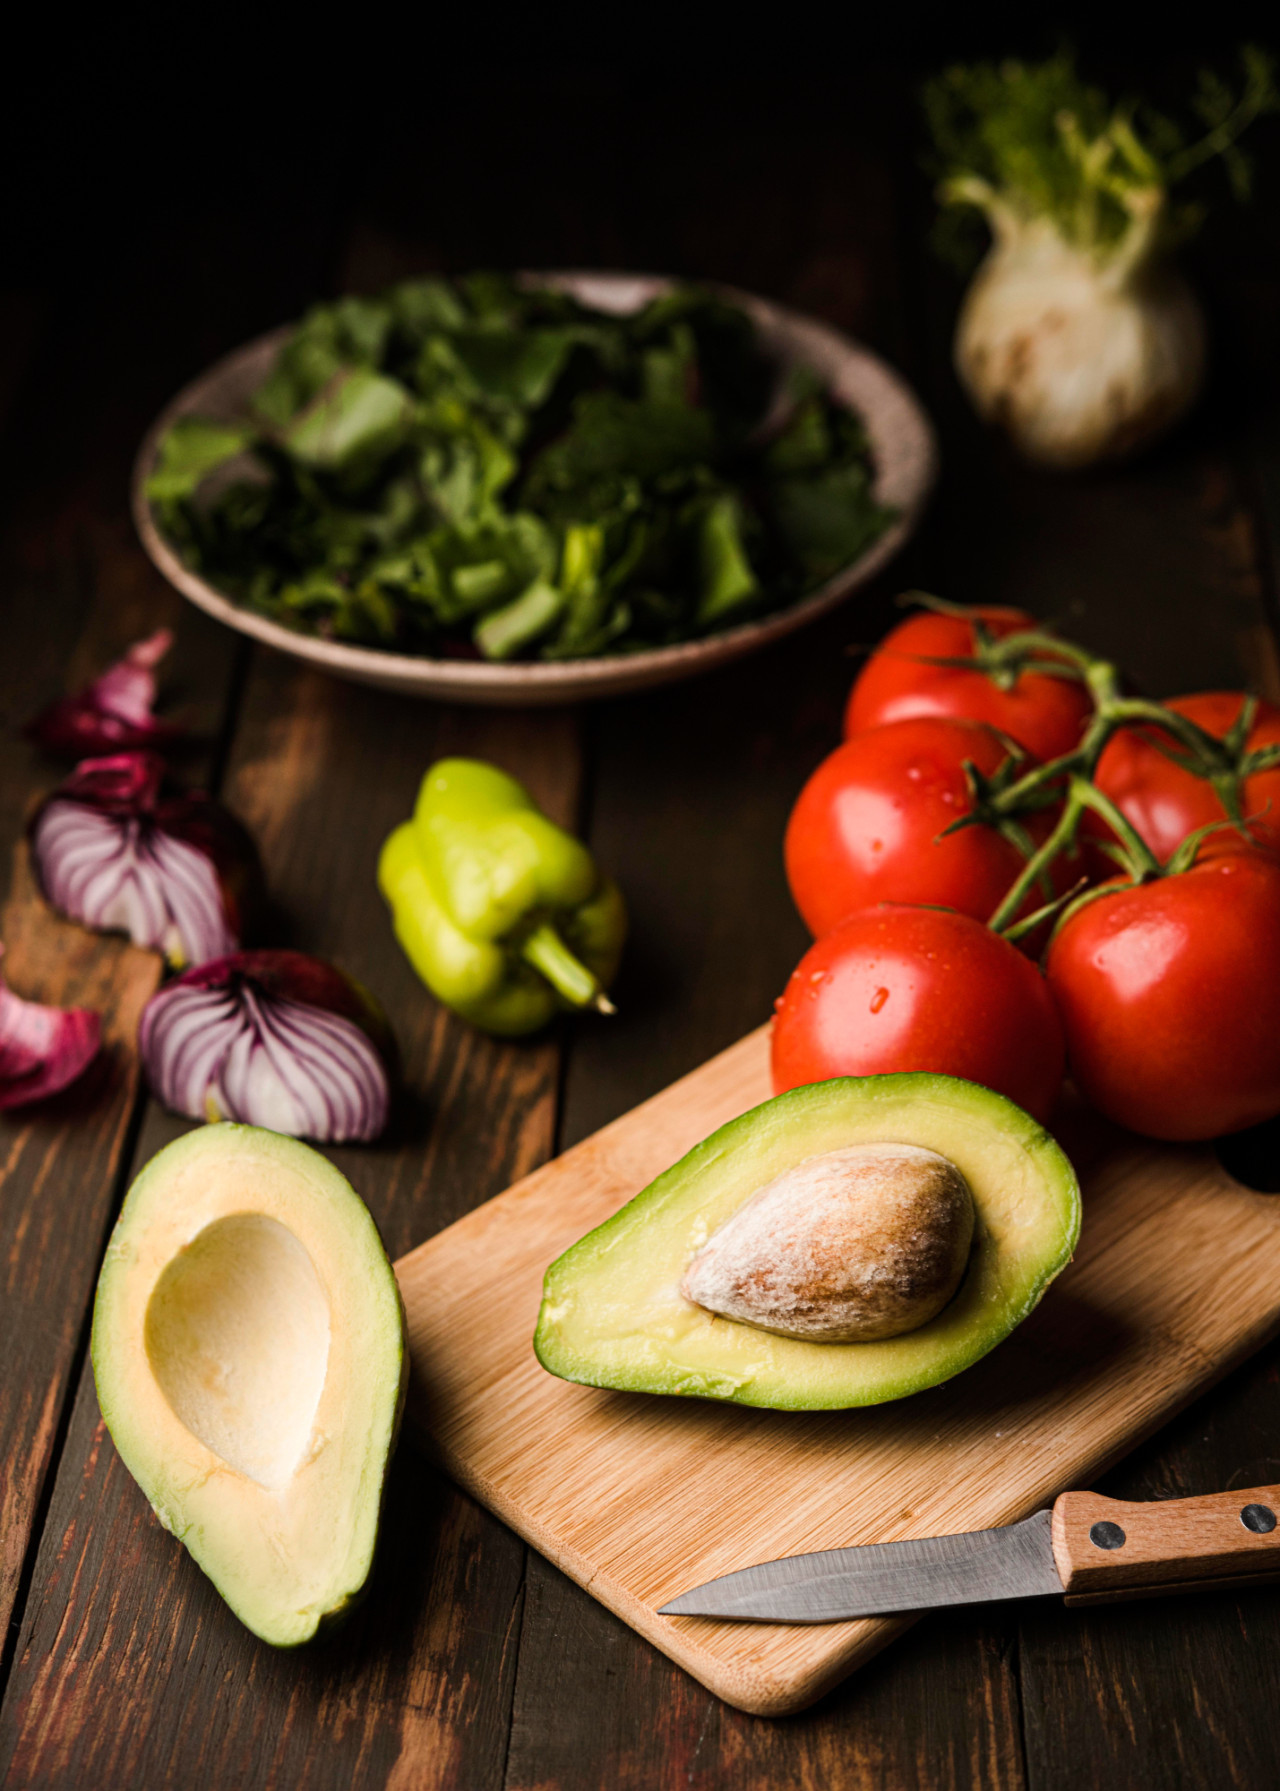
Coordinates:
[1176,1278]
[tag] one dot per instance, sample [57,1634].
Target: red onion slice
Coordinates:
[112,713]
[42,1049]
[113,853]
[118,875]
[225,1041]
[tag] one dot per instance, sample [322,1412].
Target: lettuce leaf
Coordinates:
[481,466]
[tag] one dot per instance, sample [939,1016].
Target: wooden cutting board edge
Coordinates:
[748,1685]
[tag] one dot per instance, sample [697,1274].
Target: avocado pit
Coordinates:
[851,1246]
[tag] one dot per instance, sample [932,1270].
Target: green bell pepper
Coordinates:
[503,915]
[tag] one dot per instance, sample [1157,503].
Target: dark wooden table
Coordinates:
[473,1663]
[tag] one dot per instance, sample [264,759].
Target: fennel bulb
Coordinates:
[1079,360]
[1078,334]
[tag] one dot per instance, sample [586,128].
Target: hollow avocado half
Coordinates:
[612,1311]
[248,1350]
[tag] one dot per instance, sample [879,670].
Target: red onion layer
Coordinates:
[270,1038]
[114,712]
[173,872]
[42,1049]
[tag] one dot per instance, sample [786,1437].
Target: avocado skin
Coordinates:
[612,1317]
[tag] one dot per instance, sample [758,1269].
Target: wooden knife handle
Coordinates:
[1110,1546]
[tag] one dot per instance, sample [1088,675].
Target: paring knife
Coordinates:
[1091,1548]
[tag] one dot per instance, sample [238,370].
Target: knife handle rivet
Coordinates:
[1105,1535]
[1261,1519]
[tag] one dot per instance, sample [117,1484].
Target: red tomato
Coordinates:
[898,988]
[1169,994]
[1042,713]
[866,826]
[1166,803]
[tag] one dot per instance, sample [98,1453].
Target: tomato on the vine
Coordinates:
[867,826]
[1166,802]
[1042,712]
[901,988]
[1169,991]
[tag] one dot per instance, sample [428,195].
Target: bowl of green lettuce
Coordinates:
[533,489]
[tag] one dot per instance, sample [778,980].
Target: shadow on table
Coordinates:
[1252,1157]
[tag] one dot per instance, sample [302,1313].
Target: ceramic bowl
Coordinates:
[902,444]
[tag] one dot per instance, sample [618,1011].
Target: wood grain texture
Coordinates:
[60,1160]
[753,179]
[413,1692]
[416,1689]
[1162,1695]
[77,591]
[689,795]
[1158,1543]
[638,1499]
[1141,559]
[610,1711]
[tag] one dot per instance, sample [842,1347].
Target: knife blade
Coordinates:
[1015,1561]
[1088,1547]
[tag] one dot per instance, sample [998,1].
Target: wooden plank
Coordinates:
[77,591]
[1162,601]
[611,1711]
[72,604]
[416,1689]
[543,215]
[1190,1690]
[690,792]
[714,956]
[1172,1692]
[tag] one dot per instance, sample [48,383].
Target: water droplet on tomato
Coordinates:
[878,1000]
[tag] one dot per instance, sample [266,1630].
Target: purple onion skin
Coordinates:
[184,869]
[271,1038]
[113,713]
[42,1049]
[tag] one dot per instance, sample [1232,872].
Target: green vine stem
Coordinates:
[1223,762]
[1002,800]
[1142,863]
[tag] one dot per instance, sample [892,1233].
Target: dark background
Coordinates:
[172,187]
[123,135]
[147,157]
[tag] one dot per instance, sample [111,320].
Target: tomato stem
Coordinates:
[1140,861]
[1209,757]
[1028,924]
[1002,801]
[1038,864]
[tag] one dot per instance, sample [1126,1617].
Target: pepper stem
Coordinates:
[568,976]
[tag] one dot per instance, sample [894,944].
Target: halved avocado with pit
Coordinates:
[613,1314]
[249,1355]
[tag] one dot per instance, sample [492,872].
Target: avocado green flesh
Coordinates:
[613,1315]
[248,1351]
